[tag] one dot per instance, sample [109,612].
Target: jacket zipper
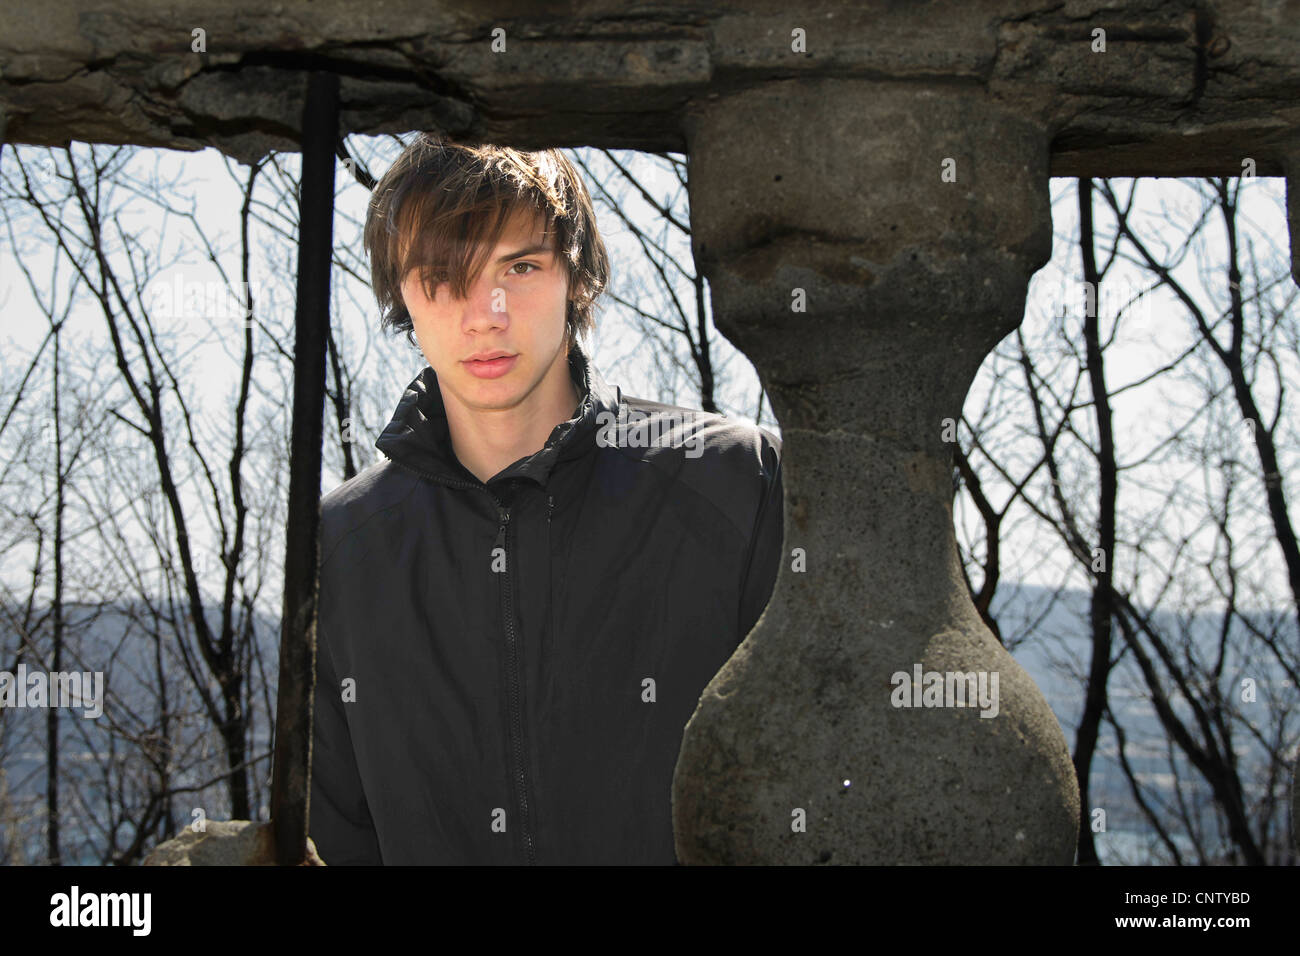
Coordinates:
[550,577]
[512,650]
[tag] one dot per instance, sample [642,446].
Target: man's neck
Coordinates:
[487,442]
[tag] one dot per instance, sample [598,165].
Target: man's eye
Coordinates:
[518,264]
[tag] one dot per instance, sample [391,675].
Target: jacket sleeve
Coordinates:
[766,547]
[340,822]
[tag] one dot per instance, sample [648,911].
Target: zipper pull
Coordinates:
[503,515]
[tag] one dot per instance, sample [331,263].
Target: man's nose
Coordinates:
[487,306]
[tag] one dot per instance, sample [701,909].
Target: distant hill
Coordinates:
[1046,632]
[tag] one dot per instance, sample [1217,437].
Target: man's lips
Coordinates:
[490,368]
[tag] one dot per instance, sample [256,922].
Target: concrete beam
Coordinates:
[1183,88]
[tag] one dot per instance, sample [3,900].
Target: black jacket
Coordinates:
[504,670]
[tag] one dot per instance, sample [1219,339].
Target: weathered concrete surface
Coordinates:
[910,281]
[1183,88]
[224,843]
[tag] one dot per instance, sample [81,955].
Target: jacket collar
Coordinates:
[418,436]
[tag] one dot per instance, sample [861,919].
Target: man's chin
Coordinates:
[491,394]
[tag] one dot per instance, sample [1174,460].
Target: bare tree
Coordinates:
[82,223]
[1189,553]
[662,293]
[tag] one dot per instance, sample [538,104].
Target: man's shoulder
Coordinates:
[361,499]
[730,463]
[665,433]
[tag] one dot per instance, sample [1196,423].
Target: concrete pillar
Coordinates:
[907,221]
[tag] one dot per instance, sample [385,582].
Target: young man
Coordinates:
[520,607]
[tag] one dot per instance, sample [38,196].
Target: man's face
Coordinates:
[516,307]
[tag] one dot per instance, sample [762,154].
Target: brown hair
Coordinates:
[442,207]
